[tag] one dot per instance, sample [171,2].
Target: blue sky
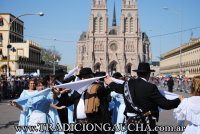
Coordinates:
[64,21]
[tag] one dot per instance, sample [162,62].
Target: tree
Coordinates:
[48,55]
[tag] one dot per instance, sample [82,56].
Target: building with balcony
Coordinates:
[27,54]
[184,60]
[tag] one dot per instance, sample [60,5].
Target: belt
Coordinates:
[88,120]
[82,120]
[144,114]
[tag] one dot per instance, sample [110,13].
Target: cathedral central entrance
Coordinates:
[97,67]
[112,68]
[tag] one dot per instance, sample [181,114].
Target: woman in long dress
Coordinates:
[189,109]
[23,120]
[36,108]
[54,117]
[118,116]
[40,105]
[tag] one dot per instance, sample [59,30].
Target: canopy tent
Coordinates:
[34,74]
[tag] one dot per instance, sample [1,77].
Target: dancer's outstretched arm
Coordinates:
[12,103]
[56,107]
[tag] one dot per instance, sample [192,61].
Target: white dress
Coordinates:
[189,109]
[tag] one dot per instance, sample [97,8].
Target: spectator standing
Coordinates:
[170,84]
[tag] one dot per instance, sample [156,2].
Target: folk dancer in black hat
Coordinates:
[88,106]
[142,100]
[59,78]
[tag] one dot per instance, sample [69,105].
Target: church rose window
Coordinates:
[113,47]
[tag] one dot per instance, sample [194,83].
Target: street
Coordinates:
[10,115]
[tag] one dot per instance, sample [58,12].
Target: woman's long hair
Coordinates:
[195,87]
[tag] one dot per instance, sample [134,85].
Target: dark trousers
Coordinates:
[63,115]
[170,88]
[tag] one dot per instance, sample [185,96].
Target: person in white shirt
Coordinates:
[189,109]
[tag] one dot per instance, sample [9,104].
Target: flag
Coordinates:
[79,86]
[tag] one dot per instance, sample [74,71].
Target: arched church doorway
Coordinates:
[128,68]
[112,68]
[97,67]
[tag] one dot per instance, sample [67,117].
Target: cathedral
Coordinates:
[116,48]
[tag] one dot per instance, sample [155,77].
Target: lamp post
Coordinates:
[54,57]
[9,26]
[179,12]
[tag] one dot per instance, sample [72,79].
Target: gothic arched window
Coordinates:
[101,24]
[95,25]
[126,25]
[131,24]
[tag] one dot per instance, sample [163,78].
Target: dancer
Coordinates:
[142,99]
[189,109]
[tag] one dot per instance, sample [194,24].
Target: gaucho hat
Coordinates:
[144,67]
[85,71]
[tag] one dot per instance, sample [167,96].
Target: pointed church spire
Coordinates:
[114,23]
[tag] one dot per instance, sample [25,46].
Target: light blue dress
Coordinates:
[39,107]
[23,120]
[118,111]
[36,109]
[53,113]
[189,109]
[70,110]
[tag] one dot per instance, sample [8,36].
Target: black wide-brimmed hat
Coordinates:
[117,75]
[144,67]
[60,72]
[85,71]
[99,74]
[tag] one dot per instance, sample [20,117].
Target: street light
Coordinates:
[9,26]
[54,57]
[179,12]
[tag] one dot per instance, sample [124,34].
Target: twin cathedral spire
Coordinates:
[99,17]
[115,47]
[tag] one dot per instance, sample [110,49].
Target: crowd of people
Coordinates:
[114,100]
[11,87]
[170,83]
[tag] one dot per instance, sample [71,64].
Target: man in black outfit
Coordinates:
[79,101]
[145,96]
[170,84]
[63,113]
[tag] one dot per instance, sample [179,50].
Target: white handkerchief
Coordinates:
[117,80]
[167,95]
[71,73]
[80,86]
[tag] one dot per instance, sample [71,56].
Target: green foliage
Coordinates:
[50,55]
